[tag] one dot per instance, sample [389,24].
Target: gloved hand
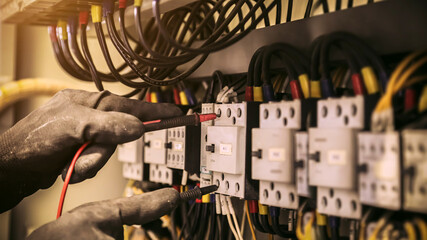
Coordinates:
[39,147]
[105,219]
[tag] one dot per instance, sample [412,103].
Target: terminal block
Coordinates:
[183,148]
[228,149]
[205,174]
[333,153]
[379,169]
[131,154]
[414,149]
[154,147]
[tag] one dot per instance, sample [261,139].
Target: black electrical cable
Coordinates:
[147,79]
[337,5]
[84,75]
[196,219]
[209,48]
[186,219]
[106,54]
[59,54]
[256,222]
[88,57]
[350,4]
[279,12]
[265,224]
[212,230]
[289,13]
[325,6]
[204,221]
[308,9]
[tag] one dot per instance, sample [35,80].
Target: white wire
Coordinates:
[242,225]
[227,212]
[233,214]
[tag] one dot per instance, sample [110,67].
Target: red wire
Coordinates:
[68,177]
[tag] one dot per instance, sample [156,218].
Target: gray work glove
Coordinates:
[40,147]
[105,219]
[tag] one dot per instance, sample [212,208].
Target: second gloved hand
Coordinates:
[105,219]
[40,147]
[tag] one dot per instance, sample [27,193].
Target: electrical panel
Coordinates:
[228,149]
[379,169]
[183,148]
[131,154]
[415,170]
[205,174]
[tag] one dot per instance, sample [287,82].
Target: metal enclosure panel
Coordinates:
[229,149]
[336,165]
[415,169]
[379,181]
[280,114]
[277,154]
[154,149]
[301,155]
[278,194]
[341,112]
[339,202]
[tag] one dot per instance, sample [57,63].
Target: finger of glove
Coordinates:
[90,162]
[107,101]
[137,209]
[107,127]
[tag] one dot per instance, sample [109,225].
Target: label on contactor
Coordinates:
[157,144]
[276,154]
[337,157]
[177,146]
[225,149]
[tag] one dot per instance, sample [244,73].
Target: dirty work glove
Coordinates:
[105,219]
[41,146]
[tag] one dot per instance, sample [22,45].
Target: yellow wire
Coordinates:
[422,227]
[307,228]
[410,230]
[383,220]
[416,79]
[250,221]
[397,75]
[270,237]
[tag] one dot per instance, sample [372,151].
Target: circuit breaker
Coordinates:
[333,153]
[183,148]
[205,174]
[273,153]
[415,170]
[131,154]
[154,147]
[228,149]
[379,169]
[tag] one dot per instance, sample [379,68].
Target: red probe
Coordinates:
[188,120]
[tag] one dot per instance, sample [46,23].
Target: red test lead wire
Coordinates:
[67,179]
[194,119]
